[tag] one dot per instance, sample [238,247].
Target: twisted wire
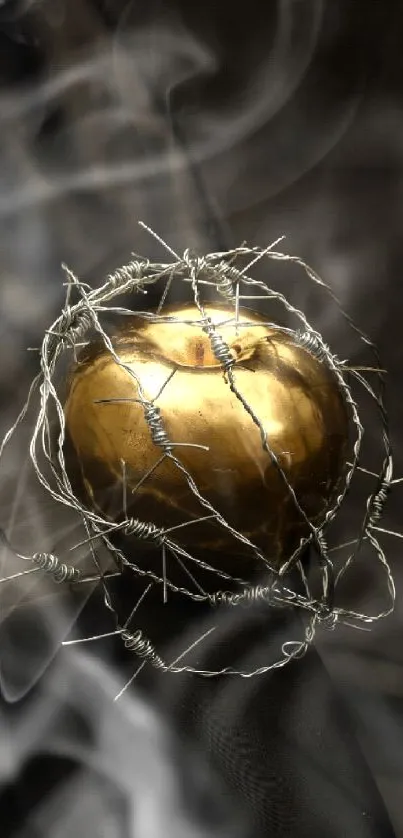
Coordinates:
[139,644]
[310,342]
[155,423]
[54,567]
[225,277]
[217,271]
[248,596]
[71,326]
[378,503]
[280,597]
[219,347]
[131,273]
[144,530]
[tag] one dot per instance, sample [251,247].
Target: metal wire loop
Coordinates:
[220,349]
[52,566]
[246,597]
[153,418]
[310,342]
[378,503]
[225,283]
[74,325]
[144,530]
[327,617]
[143,648]
[134,270]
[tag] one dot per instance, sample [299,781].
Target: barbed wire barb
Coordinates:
[225,275]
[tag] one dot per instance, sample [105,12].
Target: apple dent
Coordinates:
[169,363]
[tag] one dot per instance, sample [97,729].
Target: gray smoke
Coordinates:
[118,128]
[129,777]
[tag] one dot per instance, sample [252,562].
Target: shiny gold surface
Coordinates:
[294,395]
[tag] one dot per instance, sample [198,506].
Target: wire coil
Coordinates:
[311,342]
[220,349]
[144,530]
[220,274]
[153,418]
[143,648]
[225,282]
[58,570]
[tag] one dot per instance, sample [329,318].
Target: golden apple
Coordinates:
[295,396]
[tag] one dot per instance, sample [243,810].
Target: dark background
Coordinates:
[215,124]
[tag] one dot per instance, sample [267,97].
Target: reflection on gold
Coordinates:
[295,396]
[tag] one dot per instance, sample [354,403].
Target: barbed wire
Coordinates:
[226,275]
